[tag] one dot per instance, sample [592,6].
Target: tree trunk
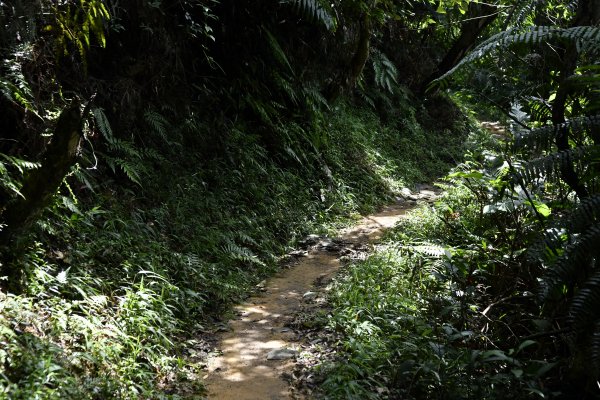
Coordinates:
[39,186]
[478,18]
[588,13]
[357,63]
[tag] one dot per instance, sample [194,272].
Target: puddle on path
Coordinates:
[242,371]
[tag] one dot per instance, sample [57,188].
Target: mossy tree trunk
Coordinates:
[357,64]
[39,185]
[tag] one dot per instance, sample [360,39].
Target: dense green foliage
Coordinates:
[493,292]
[158,158]
[172,212]
[447,310]
[116,278]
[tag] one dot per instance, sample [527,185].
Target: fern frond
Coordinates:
[125,147]
[285,85]
[546,249]
[543,138]
[571,262]
[584,317]
[158,123]
[385,72]
[7,179]
[585,306]
[20,164]
[240,253]
[278,52]
[245,238]
[314,98]
[540,109]
[152,154]
[7,182]
[262,109]
[427,249]
[315,11]
[586,37]
[19,94]
[83,177]
[367,99]
[103,124]
[572,227]
[595,347]
[131,169]
[525,12]
[586,214]
[550,166]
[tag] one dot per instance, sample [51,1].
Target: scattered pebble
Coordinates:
[310,240]
[299,253]
[281,354]
[309,296]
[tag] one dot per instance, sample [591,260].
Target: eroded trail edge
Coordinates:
[259,347]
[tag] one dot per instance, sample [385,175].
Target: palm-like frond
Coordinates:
[543,138]
[315,11]
[550,166]
[572,262]
[587,38]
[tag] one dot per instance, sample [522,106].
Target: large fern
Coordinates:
[237,252]
[552,165]
[543,138]
[11,169]
[586,214]
[277,51]
[315,11]
[567,253]
[122,155]
[587,38]
[584,316]
[585,306]
[385,72]
[571,266]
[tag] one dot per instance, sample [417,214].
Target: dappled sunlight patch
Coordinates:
[260,345]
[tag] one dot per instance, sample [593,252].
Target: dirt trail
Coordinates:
[242,371]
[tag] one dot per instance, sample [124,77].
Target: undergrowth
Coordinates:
[121,273]
[437,312]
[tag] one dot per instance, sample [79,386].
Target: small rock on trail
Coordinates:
[281,354]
